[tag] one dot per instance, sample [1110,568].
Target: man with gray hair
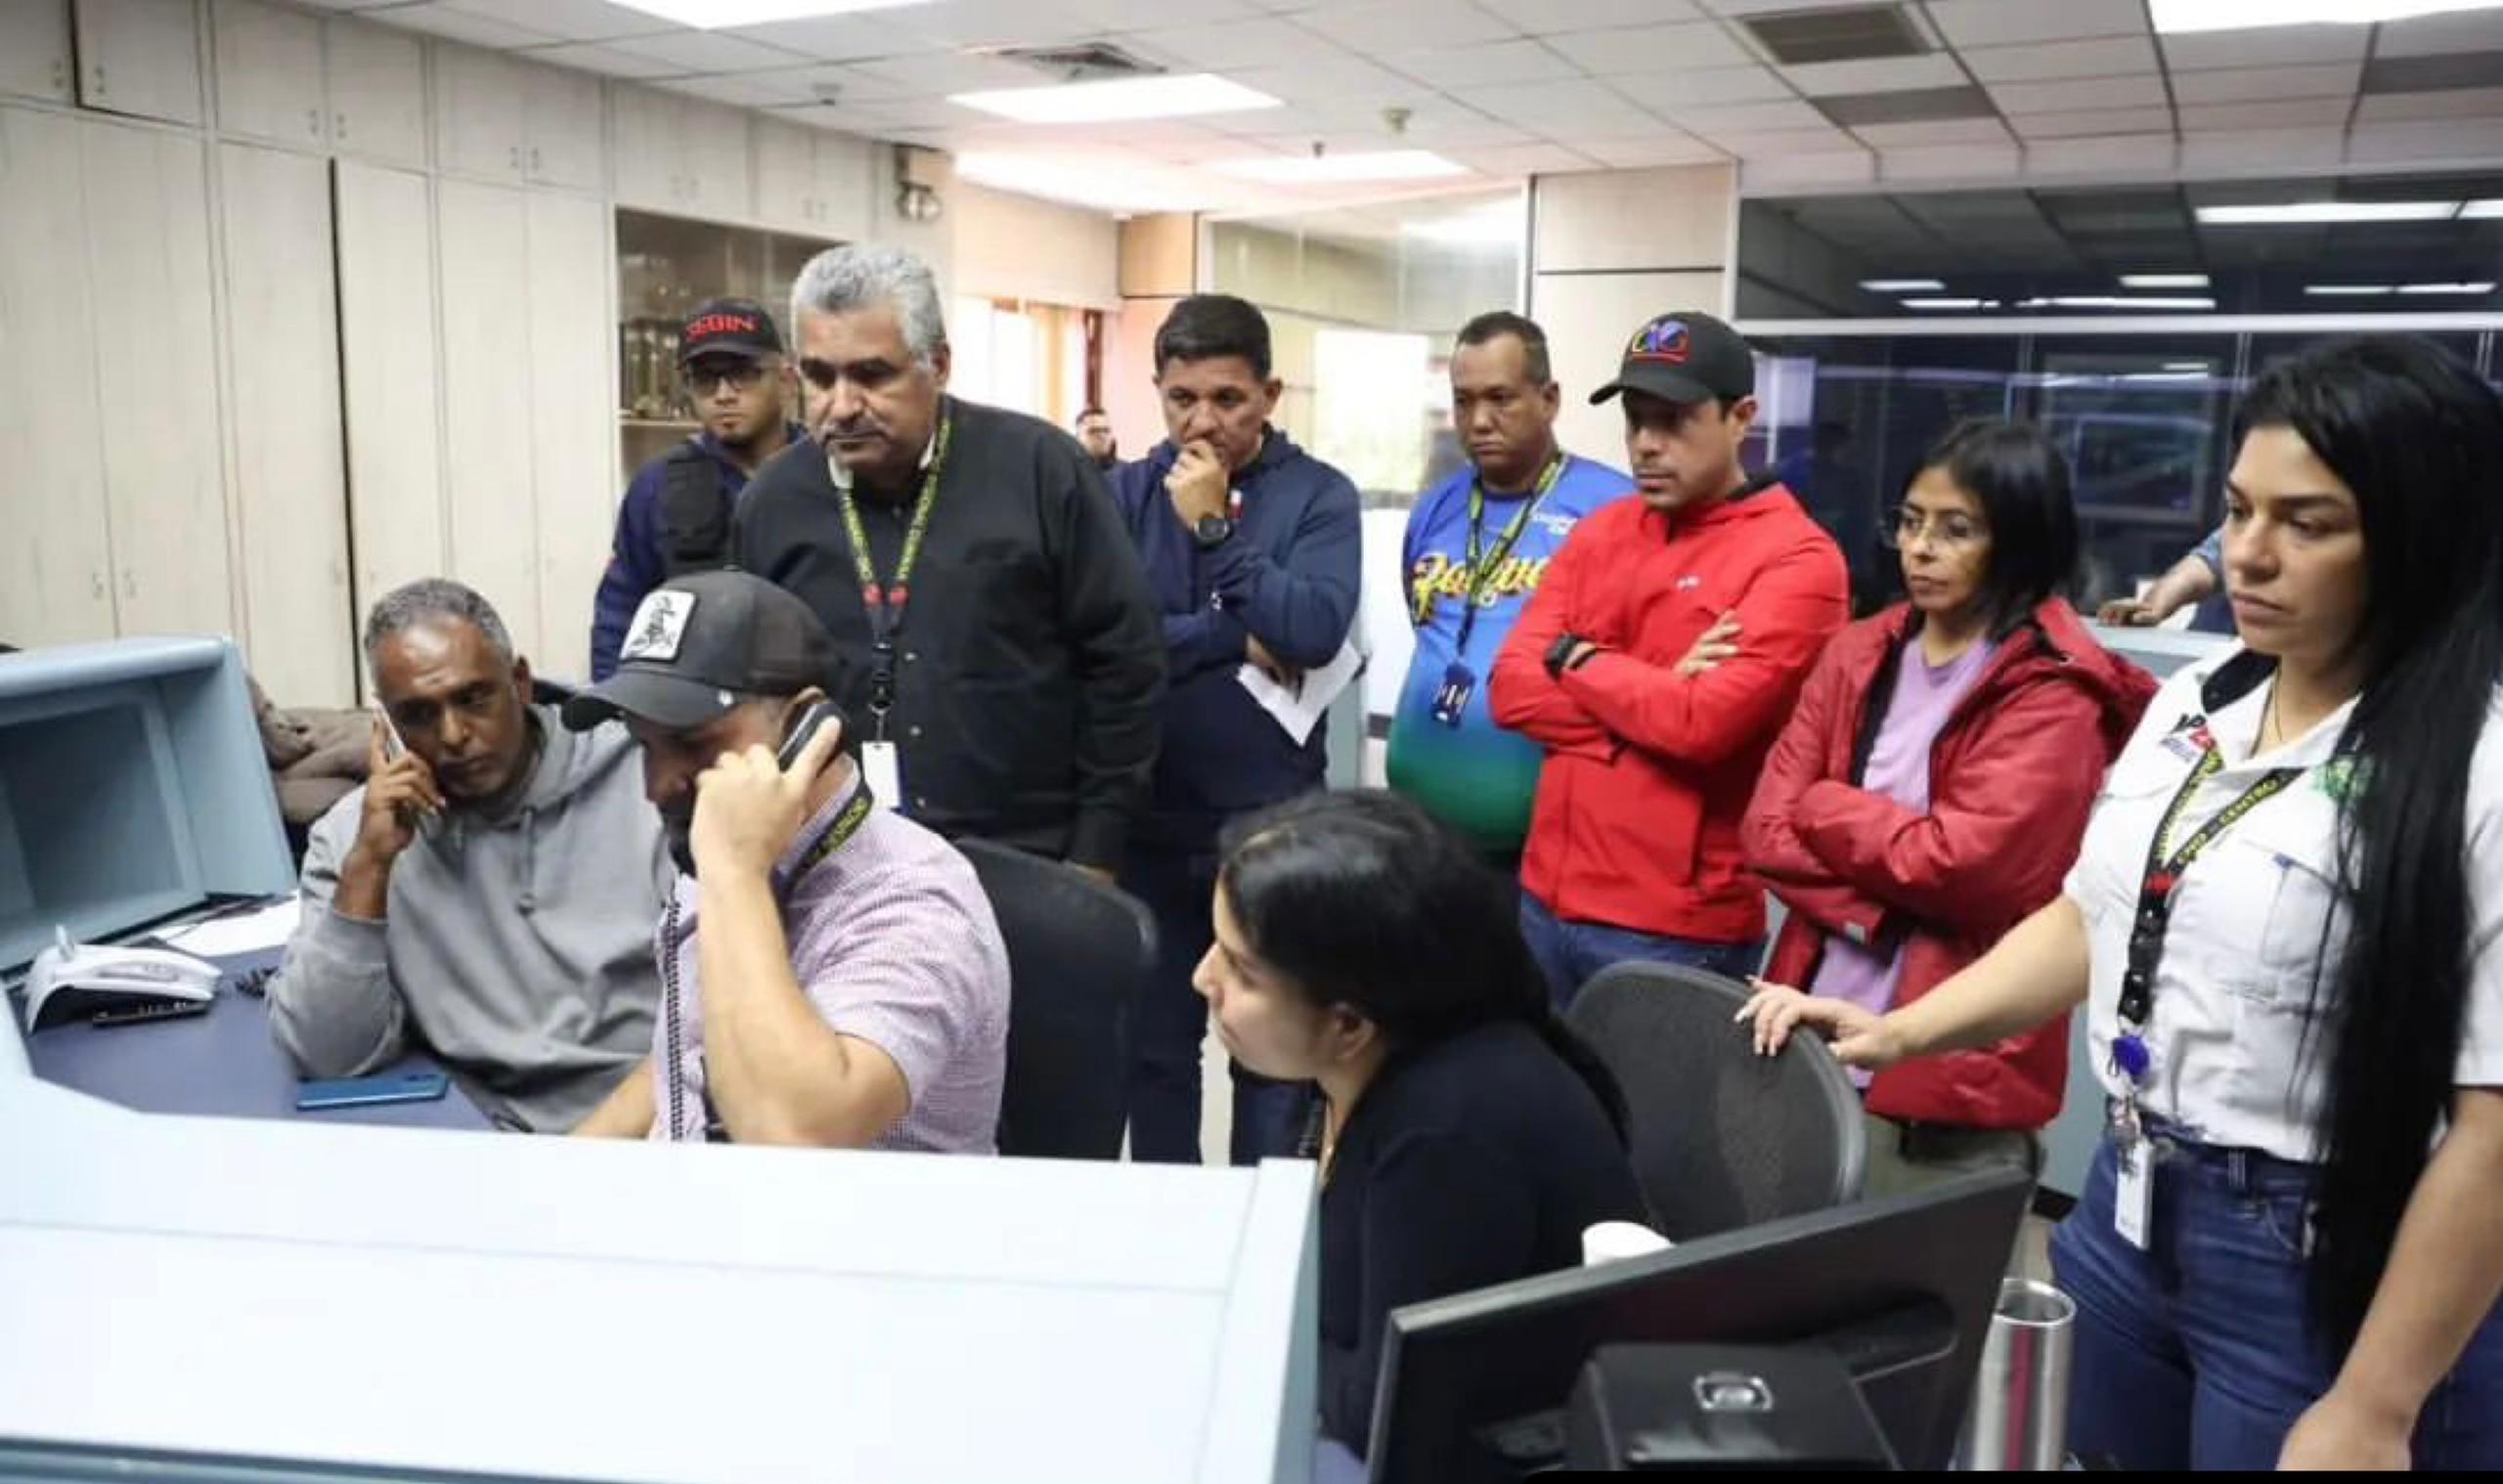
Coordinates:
[1003,651]
[489,894]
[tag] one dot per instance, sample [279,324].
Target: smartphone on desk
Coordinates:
[371,1092]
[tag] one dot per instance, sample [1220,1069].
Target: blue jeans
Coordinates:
[2197,1353]
[1569,953]
[1170,1021]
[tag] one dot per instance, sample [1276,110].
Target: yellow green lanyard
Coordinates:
[1482,578]
[884,602]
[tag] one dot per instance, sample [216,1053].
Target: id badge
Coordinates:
[2133,1192]
[879,766]
[1460,682]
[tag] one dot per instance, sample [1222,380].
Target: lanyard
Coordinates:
[847,823]
[885,602]
[2166,862]
[1481,566]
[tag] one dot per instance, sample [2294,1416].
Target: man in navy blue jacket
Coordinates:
[676,517]
[1254,548]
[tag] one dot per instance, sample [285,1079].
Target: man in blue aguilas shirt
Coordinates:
[676,517]
[1253,549]
[1477,545]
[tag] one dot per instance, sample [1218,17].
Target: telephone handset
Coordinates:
[804,726]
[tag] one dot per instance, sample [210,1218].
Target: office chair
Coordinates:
[1077,953]
[1721,1138]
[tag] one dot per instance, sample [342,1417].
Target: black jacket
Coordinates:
[1030,659]
[1470,1162]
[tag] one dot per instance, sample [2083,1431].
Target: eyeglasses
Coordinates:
[1949,532]
[742,376]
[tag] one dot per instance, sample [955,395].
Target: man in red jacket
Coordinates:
[1655,664]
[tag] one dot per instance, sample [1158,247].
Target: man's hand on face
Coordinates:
[398,792]
[1199,484]
[749,809]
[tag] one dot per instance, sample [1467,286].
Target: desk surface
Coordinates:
[222,1064]
[589,1309]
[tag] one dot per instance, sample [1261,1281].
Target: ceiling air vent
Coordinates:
[1796,38]
[1087,62]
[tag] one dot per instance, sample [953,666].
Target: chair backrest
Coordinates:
[1722,1138]
[1078,953]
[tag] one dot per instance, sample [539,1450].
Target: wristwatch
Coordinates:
[1560,652]
[1211,531]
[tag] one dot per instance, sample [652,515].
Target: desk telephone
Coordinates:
[110,985]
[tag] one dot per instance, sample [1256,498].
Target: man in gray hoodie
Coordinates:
[491,894]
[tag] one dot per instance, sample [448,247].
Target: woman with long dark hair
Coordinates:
[2287,920]
[1929,789]
[1468,1137]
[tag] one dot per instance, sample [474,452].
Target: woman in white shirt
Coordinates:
[2287,920]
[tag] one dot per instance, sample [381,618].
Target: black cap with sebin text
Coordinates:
[702,643]
[737,327]
[1684,357]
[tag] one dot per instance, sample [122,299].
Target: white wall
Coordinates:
[1016,247]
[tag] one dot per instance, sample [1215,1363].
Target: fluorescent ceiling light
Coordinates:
[1104,187]
[2199,368]
[1119,101]
[1502,223]
[1902,285]
[2163,280]
[2304,214]
[713,15]
[2483,212]
[2165,375]
[2175,16]
[1949,303]
[1331,169]
[2347,291]
[2114,301]
[2446,289]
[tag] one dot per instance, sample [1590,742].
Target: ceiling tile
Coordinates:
[441,20]
[1884,74]
[1654,149]
[1337,81]
[2464,139]
[705,52]
[1525,160]
[2280,114]
[1750,145]
[789,86]
[993,22]
[1771,7]
[1749,117]
[2078,123]
[1549,17]
[1793,171]
[2142,92]
[836,38]
[572,20]
[1121,17]
[2262,84]
[589,58]
[1651,49]
[1660,91]
[1948,162]
[2427,74]
[1924,105]
[2440,35]
[2274,46]
[1470,67]
[2111,57]
[1936,131]
[2264,149]
[739,92]
[943,73]
[2011,22]
[2451,102]
[1263,41]
[2116,152]
[1553,109]
[1377,26]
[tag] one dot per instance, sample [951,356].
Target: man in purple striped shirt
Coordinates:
[848,988]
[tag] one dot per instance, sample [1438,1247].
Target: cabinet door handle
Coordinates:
[129,582]
[60,76]
[340,126]
[533,159]
[96,582]
[313,123]
[513,155]
[100,79]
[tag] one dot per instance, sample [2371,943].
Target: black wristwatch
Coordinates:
[1211,531]
[1561,651]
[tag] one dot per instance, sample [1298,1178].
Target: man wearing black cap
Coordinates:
[831,973]
[675,516]
[1655,664]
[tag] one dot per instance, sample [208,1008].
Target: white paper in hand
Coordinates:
[1300,709]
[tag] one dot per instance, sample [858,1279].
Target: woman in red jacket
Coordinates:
[1931,788]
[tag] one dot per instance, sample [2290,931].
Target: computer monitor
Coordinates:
[1473,1386]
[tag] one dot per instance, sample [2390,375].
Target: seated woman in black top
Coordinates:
[1468,1137]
